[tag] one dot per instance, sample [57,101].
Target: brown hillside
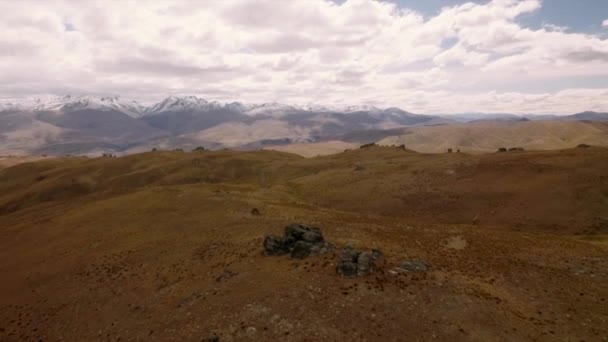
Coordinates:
[163,246]
[488,136]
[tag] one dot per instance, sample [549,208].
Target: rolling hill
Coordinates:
[488,136]
[166,246]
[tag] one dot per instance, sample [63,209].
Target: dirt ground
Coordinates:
[163,247]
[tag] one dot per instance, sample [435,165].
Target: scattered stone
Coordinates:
[211,338]
[359,263]
[299,240]
[225,276]
[414,266]
[255,212]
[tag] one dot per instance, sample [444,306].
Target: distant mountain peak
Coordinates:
[179,103]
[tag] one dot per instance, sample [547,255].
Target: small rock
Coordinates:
[225,276]
[274,245]
[300,241]
[368,262]
[255,212]
[356,263]
[414,266]
[347,266]
[212,338]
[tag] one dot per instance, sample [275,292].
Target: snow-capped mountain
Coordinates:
[169,105]
[72,103]
[272,109]
[177,104]
[362,108]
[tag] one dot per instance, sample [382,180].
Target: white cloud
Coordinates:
[605,23]
[472,57]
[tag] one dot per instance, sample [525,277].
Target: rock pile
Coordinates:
[359,263]
[299,241]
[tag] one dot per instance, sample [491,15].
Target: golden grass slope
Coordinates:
[561,190]
[488,136]
[315,149]
[7,161]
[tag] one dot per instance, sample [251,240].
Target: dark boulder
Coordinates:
[359,263]
[302,249]
[255,212]
[300,232]
[299,241]
[347,266]
[368,262]
[274,245]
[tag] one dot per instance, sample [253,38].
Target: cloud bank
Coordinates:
[471,57]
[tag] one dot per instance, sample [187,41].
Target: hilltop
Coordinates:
[164,245]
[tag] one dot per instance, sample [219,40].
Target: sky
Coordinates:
[431,56]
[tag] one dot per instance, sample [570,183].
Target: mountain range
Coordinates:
[94,125]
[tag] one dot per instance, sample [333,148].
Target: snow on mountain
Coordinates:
[272,109]
[179,104]
[361,108]
[185,103]
[71,103]
[312,107]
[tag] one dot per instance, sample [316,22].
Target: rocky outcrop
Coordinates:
[299,240]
